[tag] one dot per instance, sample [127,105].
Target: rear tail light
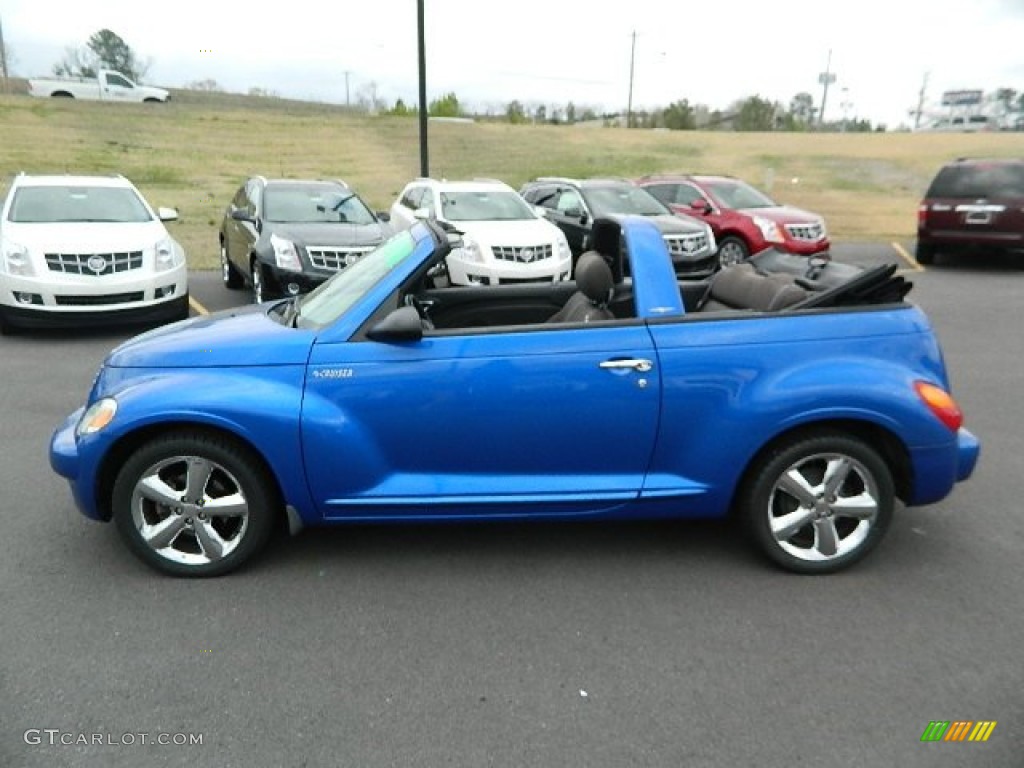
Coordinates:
[940,403]
[922,214]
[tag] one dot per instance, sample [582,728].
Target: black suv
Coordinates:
[573,204]
[285,237]
[972,205]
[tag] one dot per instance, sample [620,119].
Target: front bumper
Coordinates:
[68,462]
[803,247]
[156,313]
[506,272]
[68,299]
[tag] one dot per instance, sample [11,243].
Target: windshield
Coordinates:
[335,297]
[622,199]
[737,194]
[487,205]
[979,180]
[48,205]
[314,203]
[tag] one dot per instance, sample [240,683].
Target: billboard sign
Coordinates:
[961,98]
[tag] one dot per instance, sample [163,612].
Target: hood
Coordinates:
[246,336]
[669,224]
[85,237]
[326,233]
[784,214]
[524,232]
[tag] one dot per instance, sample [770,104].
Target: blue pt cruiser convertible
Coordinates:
[802,396]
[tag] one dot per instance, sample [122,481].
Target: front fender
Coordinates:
[259,406]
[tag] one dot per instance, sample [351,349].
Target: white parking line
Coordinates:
[911,261]
[197,307]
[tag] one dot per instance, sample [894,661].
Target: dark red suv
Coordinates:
[743,219]
[972,205]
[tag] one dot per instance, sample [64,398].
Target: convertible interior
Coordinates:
[769,282]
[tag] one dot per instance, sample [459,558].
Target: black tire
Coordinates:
[62,95]
[229,273]
[260,291]
[925,254]
[801,523]
[732,250]
[179,536]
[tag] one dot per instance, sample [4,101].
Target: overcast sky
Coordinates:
[553,51]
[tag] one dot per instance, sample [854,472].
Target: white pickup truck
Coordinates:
[108,85]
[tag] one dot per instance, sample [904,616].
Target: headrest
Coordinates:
[606,239]
[594,278]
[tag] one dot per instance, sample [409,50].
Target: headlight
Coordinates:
[15,260]
[711,238]
[167,256]
[769,230]
[285,254]
[97,416]
[471,250]
[562,248]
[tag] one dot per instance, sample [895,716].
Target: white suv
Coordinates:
[88,249]
[505,239]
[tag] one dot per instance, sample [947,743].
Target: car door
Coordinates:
[546,421]
[234,240]
[571,215]
[117,88]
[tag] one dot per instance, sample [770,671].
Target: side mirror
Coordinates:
[240,214]
[573,213]
[540,211]
[422,214]
[167,214]
[384,216]
[700,206]
[403,324]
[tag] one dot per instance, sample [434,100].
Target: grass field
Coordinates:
[193,153]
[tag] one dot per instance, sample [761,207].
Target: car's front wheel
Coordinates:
[259,287]
[228,272]
[819,503]
[732,250]
[190,504]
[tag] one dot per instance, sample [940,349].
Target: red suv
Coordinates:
[744,220]
[972,205]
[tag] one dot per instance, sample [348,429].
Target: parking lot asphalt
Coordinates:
[522,645]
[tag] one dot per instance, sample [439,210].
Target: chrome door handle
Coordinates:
[636,364]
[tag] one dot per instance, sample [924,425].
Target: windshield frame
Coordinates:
[638,194]
[53,196]
[714,187]
[338,295]
[342,197]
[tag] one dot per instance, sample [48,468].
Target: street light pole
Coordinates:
[826,78]
[424,155]
[629,103]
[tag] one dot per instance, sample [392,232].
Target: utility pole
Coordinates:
[3,56]
[920,101]
[629,103]
[424,154]
[347,102]
[826,78]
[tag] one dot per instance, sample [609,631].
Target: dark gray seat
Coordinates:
[743,287]
[594,288]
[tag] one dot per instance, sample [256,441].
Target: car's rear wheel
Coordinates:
[819,503]
[189,504]
[228,272]
[925,254]
[732,250]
